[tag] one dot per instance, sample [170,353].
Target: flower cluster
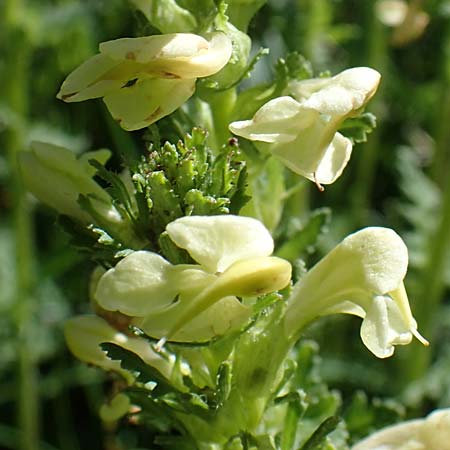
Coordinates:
[196,302]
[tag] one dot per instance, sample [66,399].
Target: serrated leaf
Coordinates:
[224,378]
[293,67]
[297,405]
[144,373]
[357,128]
[117,188]
[317,439]
[304,240]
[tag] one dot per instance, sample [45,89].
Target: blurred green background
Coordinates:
[400,178]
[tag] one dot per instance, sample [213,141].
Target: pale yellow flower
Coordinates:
[363,276]
[302,128]
[196,302]
[144,79]
[430,433]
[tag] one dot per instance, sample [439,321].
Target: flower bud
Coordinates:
[57,178]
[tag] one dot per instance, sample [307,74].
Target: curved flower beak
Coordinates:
[362,276]
[430,433]
[245,278]
[302,128]
[144,79]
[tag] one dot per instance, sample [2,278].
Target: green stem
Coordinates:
[222,104]
[368,157]
[316,23]
[441,161]
[15,87]
[432,285]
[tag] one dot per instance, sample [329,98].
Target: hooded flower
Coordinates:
[195,302]
[363,276]
[430,433]
[302,128]
[144,79]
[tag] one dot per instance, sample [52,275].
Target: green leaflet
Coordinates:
[357,128]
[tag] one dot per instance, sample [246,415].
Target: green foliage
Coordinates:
[186,179]
[170,182]
[316,441]
[299,238]
[363,415]
[293,67]
[357,128]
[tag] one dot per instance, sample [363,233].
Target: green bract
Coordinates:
[166,15]
[302,128]
[195,302]
[430,433]
[363,276]
[144,79]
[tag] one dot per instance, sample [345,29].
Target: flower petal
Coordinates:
[57,178]
[150,48]
[380,257]
[178,55]
[279,120]
[86,80]
[224,316]
[429,433]
[305,156]
[216,242]
[84,334]
[147,101]
[209,62]
[348,91]
[383,327]
[138,285]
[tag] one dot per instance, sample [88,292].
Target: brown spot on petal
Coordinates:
[65,96]
[203,46]
[131,55]
[154,114]
[116,319]
[170,75]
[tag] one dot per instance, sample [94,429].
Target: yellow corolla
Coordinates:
[144,79]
